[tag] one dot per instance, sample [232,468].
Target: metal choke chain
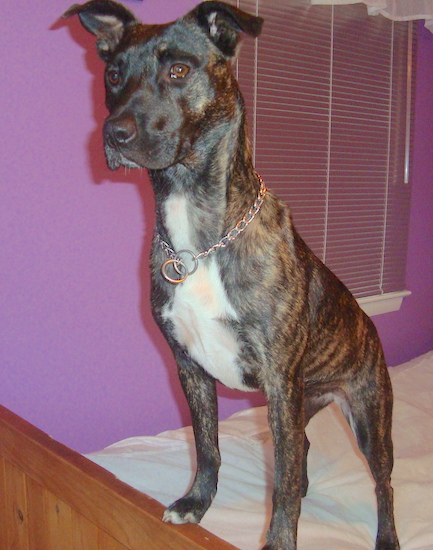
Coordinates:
[175,259]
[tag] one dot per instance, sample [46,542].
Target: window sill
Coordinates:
[385,303]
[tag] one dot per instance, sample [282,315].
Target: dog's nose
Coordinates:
[120,131]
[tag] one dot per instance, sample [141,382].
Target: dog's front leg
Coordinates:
[287,426]
[200,392]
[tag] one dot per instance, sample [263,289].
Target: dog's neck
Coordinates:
[200,198]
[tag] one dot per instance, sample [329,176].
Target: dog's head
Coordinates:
[165,84]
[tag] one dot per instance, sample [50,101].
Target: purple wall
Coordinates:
[409,332]
[80,356]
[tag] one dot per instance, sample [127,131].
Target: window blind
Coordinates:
[326,93]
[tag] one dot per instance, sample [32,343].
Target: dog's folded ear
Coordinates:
[105,19]
[224,23]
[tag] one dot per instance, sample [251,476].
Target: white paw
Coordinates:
[173,517]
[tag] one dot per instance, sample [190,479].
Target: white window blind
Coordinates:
[326,92]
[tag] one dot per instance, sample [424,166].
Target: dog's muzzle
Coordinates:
[119,136]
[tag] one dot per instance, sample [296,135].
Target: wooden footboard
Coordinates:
[52,498]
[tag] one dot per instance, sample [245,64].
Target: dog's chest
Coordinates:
[200,310]
[199,313]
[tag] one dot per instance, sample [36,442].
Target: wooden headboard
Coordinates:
[53,498]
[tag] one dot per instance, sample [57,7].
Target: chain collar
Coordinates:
[175,258]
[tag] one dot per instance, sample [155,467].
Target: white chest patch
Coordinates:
[201,306]
[198,312]
[176,216]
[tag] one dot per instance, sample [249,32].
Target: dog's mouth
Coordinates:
[129,143]
[144,158]
[120,142]
[115,159]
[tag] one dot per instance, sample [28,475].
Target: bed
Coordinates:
[54,498]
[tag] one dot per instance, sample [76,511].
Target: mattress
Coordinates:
[339,511]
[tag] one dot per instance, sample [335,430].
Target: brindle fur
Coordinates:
[303,341]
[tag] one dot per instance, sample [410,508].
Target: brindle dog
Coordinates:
[237,293]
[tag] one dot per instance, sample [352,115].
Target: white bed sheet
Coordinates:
[339,511]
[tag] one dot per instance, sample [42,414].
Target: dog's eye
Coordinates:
[179,70]
[113,77]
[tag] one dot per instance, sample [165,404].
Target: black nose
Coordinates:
[120,131]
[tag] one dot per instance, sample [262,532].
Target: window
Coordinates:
[327,94]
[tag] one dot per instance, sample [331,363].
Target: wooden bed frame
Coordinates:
[53,498]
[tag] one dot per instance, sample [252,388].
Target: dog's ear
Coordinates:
[105,19]
[224,23]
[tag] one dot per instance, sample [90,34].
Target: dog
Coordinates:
[235,290]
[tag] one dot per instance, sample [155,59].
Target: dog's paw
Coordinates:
[170,516]
[272,547]
[304,487]
[185,510]
[387,542]
[282,539]
[387,546]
